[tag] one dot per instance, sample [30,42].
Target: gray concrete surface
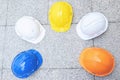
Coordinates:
[60,51]
[3,12]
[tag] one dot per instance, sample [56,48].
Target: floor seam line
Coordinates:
[53,68]
[71,23]
[3,52]
[92,39]
[4,40]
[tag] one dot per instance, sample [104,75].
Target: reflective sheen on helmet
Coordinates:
[60,16]
[29,29]
[97,61]
[92,25]
[26,63]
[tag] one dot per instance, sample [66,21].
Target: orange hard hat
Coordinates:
[97,61]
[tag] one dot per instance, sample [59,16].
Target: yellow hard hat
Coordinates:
[60,16]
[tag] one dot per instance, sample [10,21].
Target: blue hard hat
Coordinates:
[26,63]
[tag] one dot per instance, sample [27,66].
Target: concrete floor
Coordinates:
[59,50]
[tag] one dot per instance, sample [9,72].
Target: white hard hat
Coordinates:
[92,25]
[29,29]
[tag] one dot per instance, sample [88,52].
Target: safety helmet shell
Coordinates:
[92,25]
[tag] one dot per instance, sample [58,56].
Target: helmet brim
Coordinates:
[39,57]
